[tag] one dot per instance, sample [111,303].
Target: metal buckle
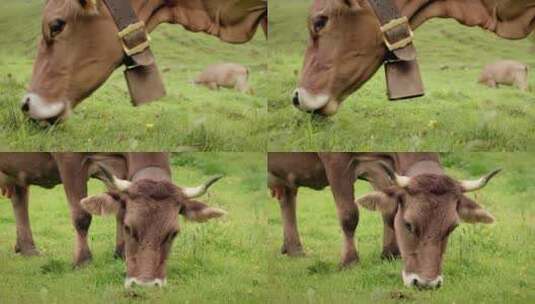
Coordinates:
[392,25]
[129,30]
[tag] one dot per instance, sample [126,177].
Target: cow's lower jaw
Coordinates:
[35,107]
[129,282]
[330,109]
[308,102]
[321,104]
[414,280]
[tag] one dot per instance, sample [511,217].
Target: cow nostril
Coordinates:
[26,105]
[295,99]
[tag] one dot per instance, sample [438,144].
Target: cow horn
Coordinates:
[194,192]
[473,185]
[112,181]
[400,180]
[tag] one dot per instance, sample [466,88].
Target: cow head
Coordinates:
[426,209]
[148,211]
[78,51]
[345,49]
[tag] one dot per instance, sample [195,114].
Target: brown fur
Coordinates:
[147,214]
[418,218]
[72,65]
[433,183]
[154,190]
[339,59]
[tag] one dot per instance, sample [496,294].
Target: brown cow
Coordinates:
[346,45]
[228,75]
[420,205]
[143,198]
[506,72]
[80,48]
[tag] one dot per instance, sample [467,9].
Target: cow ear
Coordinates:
[102,204]
[470,212]
[110,180]
[90,6]
[199,212]
[377,201]
[352,4]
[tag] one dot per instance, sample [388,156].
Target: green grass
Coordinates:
[222,260]
[236,259]
[189,118]
[483,263]
[457,114]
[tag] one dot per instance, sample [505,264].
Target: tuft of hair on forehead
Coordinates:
[156,190]
[433,183]
[335,8]
[75,8]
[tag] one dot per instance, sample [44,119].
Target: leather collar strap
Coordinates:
[401,66]
[142,75]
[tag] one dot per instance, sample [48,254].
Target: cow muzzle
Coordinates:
[321,104]
[144,282]
[414,280]
[37,108]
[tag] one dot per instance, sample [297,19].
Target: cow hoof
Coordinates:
[27,251]
[119,254]
[82,260]
[292,251]
[349,261]
[390,256]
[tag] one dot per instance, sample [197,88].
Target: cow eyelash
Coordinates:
[171,236]
[400,200]
[56,27]
[319,23]
[410,228]
[451,229]
[131,232]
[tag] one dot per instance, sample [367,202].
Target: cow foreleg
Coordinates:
[74,177]
[242,85]
[521,82]
[265,28]
[390,245]
[291,245]
[341,179]
[212,86]
[119,245]
[19,200]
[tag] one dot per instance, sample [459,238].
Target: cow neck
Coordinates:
[152,173]
[410,7]
[424,167]
[402,72]
[143,79]
[145,10]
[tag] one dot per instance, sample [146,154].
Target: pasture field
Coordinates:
[236,259]
[457,114]
[219,261]
[483,263]
[188,118]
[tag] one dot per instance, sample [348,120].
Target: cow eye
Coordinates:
[56,27]
[131,232]
[450,230]
[409,227]
[170,236]
[320,23]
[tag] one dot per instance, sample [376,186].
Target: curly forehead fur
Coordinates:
[433,183]
[333,8]
[156,190]
[74,8]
